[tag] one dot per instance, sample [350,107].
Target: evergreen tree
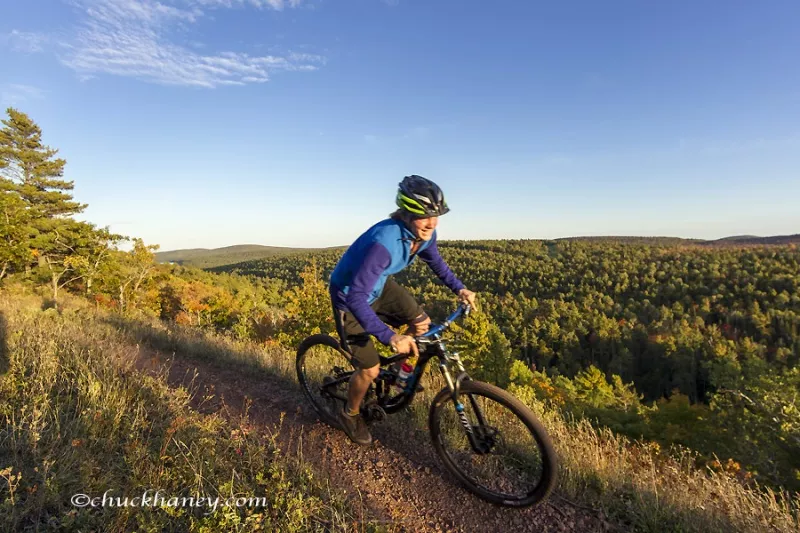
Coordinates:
[30,169]
[14,239]
[38,206]
[31,181]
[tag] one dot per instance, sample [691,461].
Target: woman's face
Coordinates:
[423,227]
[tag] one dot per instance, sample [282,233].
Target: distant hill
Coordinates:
[229,255]
[747,240]
[737,240]
[632,239]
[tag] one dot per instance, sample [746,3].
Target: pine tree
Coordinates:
[485,351]
[14,238]
[38,200]
[30,169]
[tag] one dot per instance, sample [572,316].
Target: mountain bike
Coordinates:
[488,439]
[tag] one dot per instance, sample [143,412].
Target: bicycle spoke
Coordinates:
[508,461]
[321,365]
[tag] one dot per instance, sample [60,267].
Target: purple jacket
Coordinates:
[360,275]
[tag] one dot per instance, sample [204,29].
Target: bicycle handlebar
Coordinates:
[463,309]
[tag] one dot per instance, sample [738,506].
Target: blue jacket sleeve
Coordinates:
[431,256]
[376,260]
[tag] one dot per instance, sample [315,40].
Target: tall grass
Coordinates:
[76,417]
[636,484]
[643,488]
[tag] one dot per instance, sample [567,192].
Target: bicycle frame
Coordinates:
[430,345]
[382,398]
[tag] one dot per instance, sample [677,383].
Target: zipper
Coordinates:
[412,239]
[411,242]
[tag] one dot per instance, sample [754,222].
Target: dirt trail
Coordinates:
[398,480]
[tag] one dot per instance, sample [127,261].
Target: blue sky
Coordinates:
[206,123]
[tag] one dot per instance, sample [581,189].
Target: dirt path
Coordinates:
[397,480]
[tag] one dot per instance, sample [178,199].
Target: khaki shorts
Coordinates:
[395,306]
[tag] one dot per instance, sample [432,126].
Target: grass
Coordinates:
[642,488]
[76,417]
[638,486]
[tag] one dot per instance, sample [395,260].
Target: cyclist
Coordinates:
[365,296]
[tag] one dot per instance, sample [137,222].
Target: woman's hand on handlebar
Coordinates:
[404,344]
[466,296]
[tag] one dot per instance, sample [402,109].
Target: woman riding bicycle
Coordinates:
[362,291]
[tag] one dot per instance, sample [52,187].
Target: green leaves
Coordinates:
[36,228]
[484,349]
[15,249]
[308,307]
[32,170]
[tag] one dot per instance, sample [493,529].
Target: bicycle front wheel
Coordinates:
[493,444]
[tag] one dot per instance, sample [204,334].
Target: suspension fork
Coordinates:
[455,386]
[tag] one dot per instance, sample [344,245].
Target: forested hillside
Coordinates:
[229,255]
[707,336]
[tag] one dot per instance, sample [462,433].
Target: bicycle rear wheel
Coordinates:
[323,371]
[495,446]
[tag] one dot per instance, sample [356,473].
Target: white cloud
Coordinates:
[273,4]
[132,38]
[25,42]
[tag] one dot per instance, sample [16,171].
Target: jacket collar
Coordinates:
[406,233]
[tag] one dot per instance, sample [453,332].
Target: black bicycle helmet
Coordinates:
[421,197]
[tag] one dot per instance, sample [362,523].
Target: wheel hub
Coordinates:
[485,439]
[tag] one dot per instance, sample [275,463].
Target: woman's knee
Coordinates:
[371,372]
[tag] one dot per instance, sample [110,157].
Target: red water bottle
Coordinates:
[403,375]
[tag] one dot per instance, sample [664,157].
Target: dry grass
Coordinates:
[637,485]
[644,489]
[76,417]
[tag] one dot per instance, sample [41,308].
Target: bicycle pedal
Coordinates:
[374,413]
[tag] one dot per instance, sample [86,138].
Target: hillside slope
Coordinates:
[245,406]
[229,255]
[79,424]
[749,240]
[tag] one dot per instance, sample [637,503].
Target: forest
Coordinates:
[680,344]
[666,340]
